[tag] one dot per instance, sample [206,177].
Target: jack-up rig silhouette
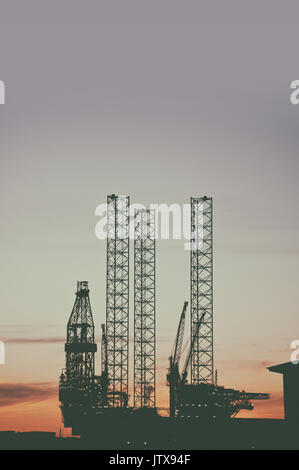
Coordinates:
[89,402]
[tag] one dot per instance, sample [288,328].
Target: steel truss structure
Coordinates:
[144,309]
[80,346]
[201,288]
[117,299]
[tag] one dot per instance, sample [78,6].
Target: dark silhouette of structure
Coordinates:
[104,368]
[290,372]
[201,289]
[80,390]
[144,309]
[173,376]
[203,401]
[117,298]
[200,412]
[91,403]
[80,347]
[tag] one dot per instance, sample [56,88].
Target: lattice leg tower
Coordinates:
[144,310]
[117,298]
[201,260]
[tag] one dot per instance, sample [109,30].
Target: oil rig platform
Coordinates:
[99,405]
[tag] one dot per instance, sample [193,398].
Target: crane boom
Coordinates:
[104,365]
[188,358]
[173,376]
[180,336]
[104,349]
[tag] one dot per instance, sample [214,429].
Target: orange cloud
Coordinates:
[16,393]
[34,340]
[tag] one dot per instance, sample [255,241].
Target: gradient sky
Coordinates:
[161,100]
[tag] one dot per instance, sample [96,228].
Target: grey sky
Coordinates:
[160,100]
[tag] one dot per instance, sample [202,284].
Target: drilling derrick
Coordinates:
[201,260]
[144,310]
[77,385]
[80,346]
[117,298]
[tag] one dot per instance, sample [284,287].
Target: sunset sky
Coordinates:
[159,100]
